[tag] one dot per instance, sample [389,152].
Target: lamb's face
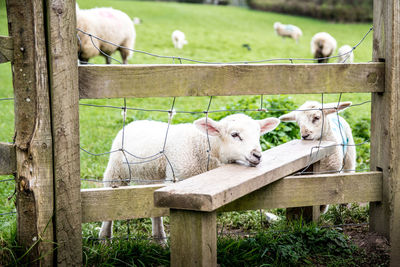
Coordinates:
[310,123]
[239,138]
[312,120]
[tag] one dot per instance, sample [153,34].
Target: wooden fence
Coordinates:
[45,157]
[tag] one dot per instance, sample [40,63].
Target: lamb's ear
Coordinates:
[288,117]
[268,124]
[205,125]
[333,107]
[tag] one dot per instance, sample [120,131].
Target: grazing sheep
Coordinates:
[287,30]
[234,139]
[137,21]
[108,24]
[345,54]
[323,45]
[178,39]
[326,125]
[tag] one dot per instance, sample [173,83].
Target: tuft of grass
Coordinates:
[285,244]
[344,214]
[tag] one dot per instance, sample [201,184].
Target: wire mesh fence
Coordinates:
[131,160]
[129,155]
[206,111]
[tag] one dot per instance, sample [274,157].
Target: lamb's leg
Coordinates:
[125,54]
[158,230]
[111,179]
[106,229]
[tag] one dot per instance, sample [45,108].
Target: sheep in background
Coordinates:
[234,139]
[178,39]
[137,21]
[108,24]
[312,121]
[323,45]
[345,54]
[287,30]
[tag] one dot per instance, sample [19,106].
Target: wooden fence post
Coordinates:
[309,213]
[193,238]
[63,77]
[33,139]
[385,125]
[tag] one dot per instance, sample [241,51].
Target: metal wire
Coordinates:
[262,109]
[210,62]
[8,213]
[172,111]
[6,180]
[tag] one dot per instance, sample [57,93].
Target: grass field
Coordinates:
[215,34]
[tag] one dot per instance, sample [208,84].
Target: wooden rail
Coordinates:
[216,188]
[117,81]
[128,202]
[8,163]
[309,190]
[6,49]
[101,204]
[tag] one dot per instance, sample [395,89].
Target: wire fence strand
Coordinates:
[291,60]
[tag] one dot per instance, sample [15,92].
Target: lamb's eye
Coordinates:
[316,118]
[236,135]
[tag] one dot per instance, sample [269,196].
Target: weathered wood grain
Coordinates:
[8,162]
[378,51]
[385,126]
[193,238]
[63,75]
[115,81]
[211,190]
[6,49]
[305,213]
[33,139]
[127,202]
[310,190]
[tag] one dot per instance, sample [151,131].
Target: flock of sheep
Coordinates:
[323,45]
[235,139]
[118,30]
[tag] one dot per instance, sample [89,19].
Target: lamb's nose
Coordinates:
[305,136]
[256,154]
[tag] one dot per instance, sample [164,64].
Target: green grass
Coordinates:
[216,34]
[279,244]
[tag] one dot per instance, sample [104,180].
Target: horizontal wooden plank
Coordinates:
[293,191]
[211,190]
[116,81]
[310,190]
[127,202]
[8,164]
[6,49]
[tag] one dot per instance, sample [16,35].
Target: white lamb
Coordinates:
[234,139]
[326,125]
[108,24]
[178,39]
[288,30]
[323,45]
[345,54]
